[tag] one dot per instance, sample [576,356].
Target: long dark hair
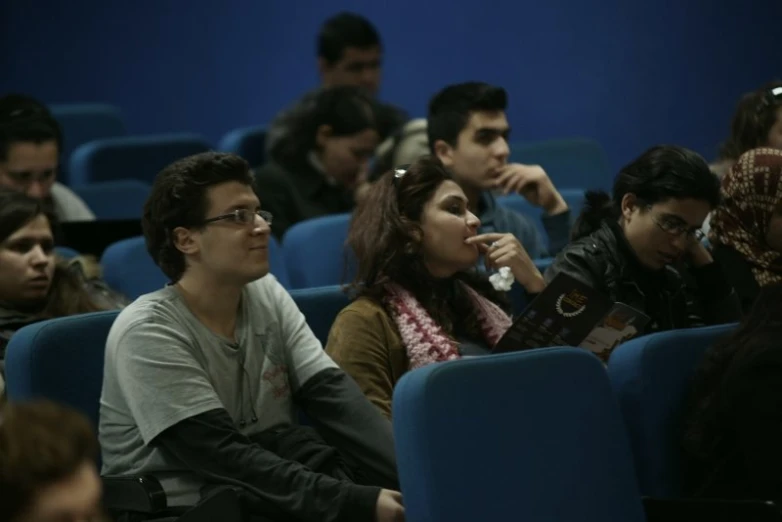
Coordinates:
[67,295]
[385,237]
[346,109]
[755,114]
[661,173]
[18,209]
[760,330]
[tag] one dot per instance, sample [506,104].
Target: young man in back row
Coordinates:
[350,53]
[204,378]
[468,131]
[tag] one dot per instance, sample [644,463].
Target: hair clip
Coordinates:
[770,98]
[399,173]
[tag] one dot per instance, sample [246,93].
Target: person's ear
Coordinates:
[322,135]
[630,205]
[324,70]
[444,152]
[414,243]
[185,240]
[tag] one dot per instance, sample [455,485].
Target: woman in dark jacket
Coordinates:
[746,229]
[321,165]
[734,428]
[633,246]
[34,284]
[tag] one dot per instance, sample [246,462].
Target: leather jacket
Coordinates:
[673,297]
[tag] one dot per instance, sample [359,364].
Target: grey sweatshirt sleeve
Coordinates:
[348,421]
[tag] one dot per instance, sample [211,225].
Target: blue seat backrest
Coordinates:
[315,252]
[247,142]
[320,307]
[120,199]
[532,435]
[61,360]
[82,123]
[573,197]
[651,377]
[129,269]
[131,157]
[570,163]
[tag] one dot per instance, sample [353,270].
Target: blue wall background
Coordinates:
[627,74]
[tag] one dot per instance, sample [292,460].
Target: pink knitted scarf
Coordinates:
[424,340]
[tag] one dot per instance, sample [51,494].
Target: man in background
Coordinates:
[468,130]
[349,53]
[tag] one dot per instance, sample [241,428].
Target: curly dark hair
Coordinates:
[383,236]
[179,199]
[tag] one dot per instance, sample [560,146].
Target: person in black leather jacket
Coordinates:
[642,246]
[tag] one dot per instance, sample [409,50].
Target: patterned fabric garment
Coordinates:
[424,340]
[751,192]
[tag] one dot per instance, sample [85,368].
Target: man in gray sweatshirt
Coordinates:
[205,378]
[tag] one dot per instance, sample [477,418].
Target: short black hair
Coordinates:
[450,109]
[25,119]
[179,199]
[661,173]
[345,30]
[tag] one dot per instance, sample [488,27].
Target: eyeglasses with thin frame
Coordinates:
[242,216]
[677,229]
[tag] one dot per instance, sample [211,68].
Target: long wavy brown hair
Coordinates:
[385,236]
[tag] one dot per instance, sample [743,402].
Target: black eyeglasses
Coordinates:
[677,229]
[242,216]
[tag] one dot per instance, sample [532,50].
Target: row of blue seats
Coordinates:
[97,149]
[85,123]
[551,434]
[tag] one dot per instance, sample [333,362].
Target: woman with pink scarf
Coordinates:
[420,298]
